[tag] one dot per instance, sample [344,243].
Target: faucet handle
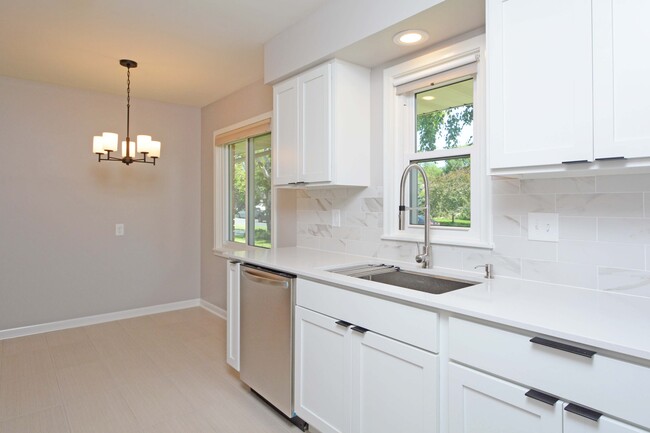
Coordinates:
[488,270]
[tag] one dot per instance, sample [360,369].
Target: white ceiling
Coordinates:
[190,52]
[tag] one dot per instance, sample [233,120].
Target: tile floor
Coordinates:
[152,374]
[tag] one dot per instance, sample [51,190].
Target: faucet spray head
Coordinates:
[402,217]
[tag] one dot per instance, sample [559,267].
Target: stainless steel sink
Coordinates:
[394,276]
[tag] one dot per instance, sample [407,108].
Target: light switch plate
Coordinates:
[543,227]
[336,218]
[119,229]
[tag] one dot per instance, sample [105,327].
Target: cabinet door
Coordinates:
[479,403]
[232,325]
[621,87]
[576,424]
[315,121]
[285,134]
[539,82]
[321,372]
[394,386]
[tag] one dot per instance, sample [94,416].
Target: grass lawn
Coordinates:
[456,223]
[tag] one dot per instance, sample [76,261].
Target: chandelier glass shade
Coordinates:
[107,143]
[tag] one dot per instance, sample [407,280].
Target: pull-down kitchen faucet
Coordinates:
[425,256]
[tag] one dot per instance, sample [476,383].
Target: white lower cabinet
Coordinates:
[350,379]
[577,424]
[504,381]
[480,403]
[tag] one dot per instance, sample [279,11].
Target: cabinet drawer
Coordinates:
[411,325]
[605,384]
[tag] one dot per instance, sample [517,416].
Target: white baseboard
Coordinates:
[108,317]
[217,311]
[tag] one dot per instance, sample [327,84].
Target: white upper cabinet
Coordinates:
[321,127]
[567,83]
[540,81]
[540,87]
[621,85]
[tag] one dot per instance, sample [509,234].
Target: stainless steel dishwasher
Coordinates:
[266,337]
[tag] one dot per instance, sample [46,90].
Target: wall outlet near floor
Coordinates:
[336,218]
[119,229]
[543,227]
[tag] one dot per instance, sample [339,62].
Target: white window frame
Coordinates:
[220,183]
[399,142]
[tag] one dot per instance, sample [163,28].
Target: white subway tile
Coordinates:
[523,248]
[362,219]
[602,253]
[372,204]
[571,274]
[510,204]
[505,185]
[626,230]
[370,235]
[605,205]
[579,228]
[559,185]
[506,225]
[319,230]
[350,233]
[361,248]
[623,183]
[626,281]
[314,217]
[315,204]
[647,257]
[449,257]
[336,245]
[308,242]
[402,251]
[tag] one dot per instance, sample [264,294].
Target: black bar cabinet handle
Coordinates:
[343,323]
[564,347]
[540,396]
[583,411]
[610,158]
[359,329]
[578,161]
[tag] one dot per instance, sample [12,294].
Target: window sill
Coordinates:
[405,237]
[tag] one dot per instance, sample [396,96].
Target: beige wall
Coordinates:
[244,104]
[59,256]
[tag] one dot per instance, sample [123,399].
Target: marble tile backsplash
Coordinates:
[604,233]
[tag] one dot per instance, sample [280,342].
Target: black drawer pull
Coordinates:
[343,323]
[583,411]
[579,161]
[564,347]
[540,396]
[359,329]
[610,158]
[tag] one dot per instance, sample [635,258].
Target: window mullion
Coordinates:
[250,207]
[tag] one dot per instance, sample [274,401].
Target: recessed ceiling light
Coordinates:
[428,98]
[410,37]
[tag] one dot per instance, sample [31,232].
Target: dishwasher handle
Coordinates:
[262,278]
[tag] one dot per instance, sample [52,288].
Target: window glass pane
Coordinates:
[261,190]
[445,117]
[449,187]
[237,191]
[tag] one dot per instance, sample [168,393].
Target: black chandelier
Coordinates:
[107,142]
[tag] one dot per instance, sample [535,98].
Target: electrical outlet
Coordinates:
[119,229]
[336,218]
[543,227]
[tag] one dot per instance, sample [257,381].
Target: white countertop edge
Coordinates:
[458,303]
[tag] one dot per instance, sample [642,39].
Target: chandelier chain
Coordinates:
[128,102]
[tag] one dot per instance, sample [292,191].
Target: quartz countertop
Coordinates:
[611,321]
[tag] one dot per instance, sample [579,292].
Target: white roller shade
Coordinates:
[449,71]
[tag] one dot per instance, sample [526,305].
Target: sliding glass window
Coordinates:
[249,191]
